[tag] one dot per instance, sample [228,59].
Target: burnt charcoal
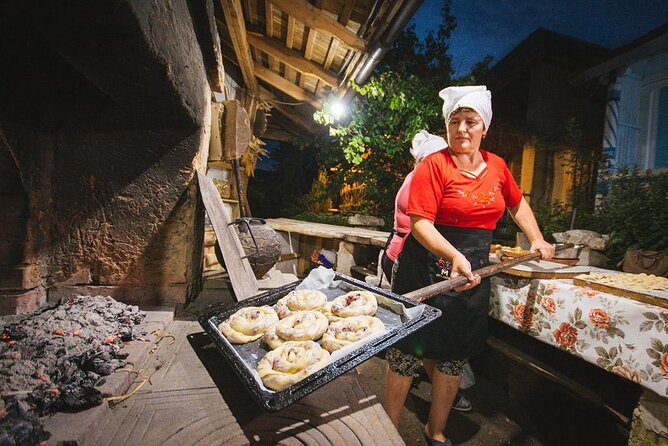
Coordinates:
[104,366]
[20,427]
[53,359]
[15,332]
[101,362]
[79,397]
[125,334]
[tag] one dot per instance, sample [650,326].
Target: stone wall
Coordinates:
[106,110]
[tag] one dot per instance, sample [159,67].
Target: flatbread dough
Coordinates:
[636,282]
[349,330]
[248,324]
[290,363]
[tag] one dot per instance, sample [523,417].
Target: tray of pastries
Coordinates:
[287,342]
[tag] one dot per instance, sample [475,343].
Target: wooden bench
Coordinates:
[352,245]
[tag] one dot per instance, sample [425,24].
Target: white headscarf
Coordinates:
[476,97]
[424,143]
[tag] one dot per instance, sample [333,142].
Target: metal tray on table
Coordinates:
[244,358]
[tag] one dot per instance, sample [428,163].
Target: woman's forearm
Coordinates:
[524,217]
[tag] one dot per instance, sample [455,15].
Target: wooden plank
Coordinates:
[331,52]
[654,297]
[291,57]
[241,275]
[348,233]
[545,269]
[234,18]
[313,18]
[290,33]
[237,129]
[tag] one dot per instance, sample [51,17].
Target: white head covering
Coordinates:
[476,97]
[424,143]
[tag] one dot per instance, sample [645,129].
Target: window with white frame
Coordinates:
[656,140]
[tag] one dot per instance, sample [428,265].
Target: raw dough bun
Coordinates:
[300,300]
[290,363]
[248,324]
[349,330]
[354,303]
[298,326]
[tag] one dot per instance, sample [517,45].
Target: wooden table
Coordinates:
[303,237]
[618,334]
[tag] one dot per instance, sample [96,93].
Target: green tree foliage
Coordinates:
[400,99]
[634,212]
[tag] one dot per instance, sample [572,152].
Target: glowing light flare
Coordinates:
[338,109]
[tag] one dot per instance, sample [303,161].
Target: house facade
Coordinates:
[534,102]
[635,131]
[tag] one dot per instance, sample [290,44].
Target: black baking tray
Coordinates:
[274,401]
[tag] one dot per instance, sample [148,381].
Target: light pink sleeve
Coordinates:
[402,222]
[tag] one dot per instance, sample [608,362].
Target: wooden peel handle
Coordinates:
[441,287]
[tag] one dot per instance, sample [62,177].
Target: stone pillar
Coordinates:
[344,258]
[650,421]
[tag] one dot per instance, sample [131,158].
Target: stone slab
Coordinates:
[22,301]
[22,277]
[137,294]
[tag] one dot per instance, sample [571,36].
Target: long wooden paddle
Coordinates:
[447,285]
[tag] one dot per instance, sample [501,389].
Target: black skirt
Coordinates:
[461,330]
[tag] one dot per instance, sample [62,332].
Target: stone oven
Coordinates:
[104,120]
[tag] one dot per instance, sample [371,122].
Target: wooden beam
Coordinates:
[334,44]
[290,35]
[291,57]
[347,12]
[269,26]
[289,112]
[268,18]
[315,19]
[286,86]
[310,41]
[331,52]
[234,18]
[249,12]
[289,42]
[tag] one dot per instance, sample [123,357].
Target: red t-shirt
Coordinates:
[443,194]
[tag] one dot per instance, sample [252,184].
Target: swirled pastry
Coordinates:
[290,363]
[248,324]
[300,300]
[349,330]
[298,326]
[354,303]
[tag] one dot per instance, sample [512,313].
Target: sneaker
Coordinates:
[461,404]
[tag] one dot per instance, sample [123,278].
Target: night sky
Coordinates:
[495,27]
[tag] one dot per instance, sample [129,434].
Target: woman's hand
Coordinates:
[546,249]
[462,267]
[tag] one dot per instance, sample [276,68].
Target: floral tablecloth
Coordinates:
[619,335]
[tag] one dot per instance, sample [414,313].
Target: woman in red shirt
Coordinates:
[456,197]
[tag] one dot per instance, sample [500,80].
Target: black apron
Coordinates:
[461,330]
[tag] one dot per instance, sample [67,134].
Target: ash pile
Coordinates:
[53,359]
